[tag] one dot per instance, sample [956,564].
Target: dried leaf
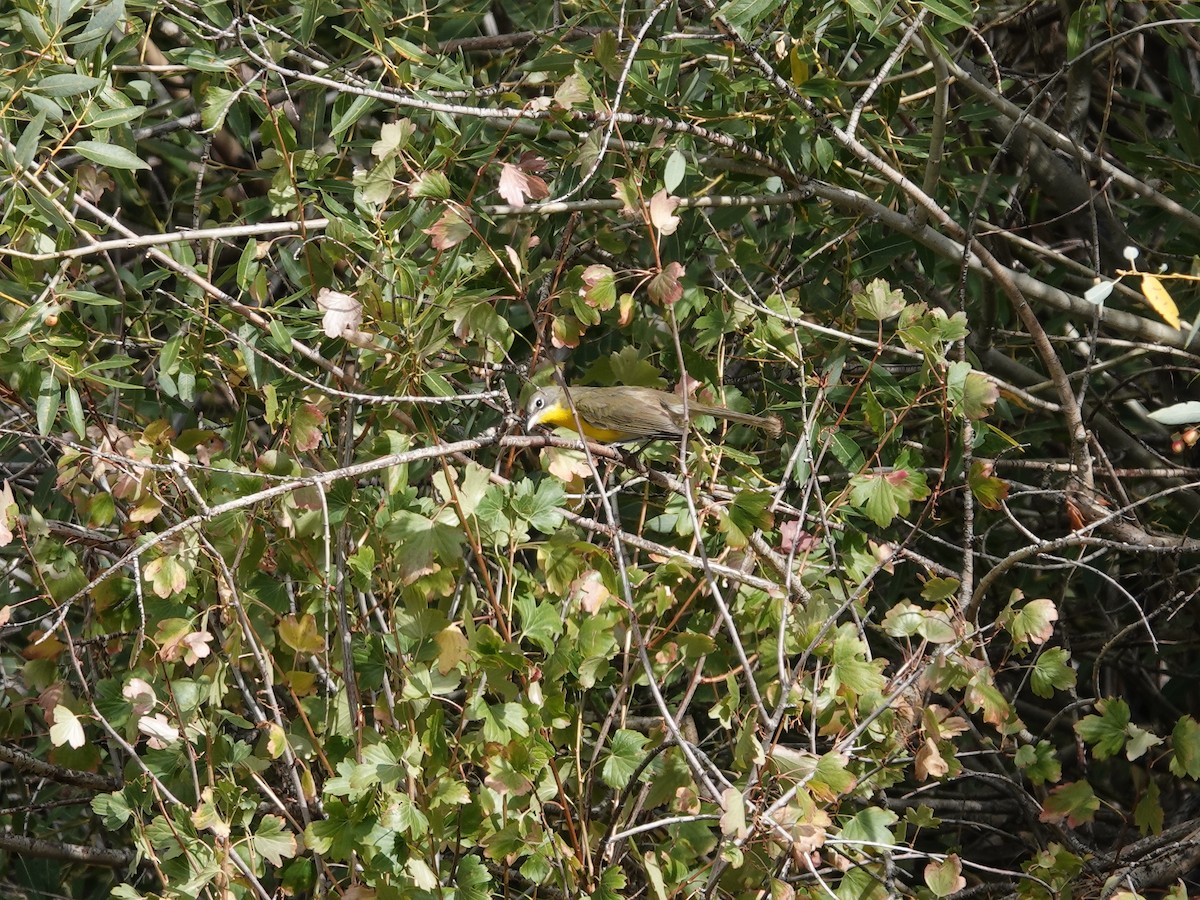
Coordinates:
[67,729]
[929,762]
[341,312]
[160,732]
[662,212]
[8,514]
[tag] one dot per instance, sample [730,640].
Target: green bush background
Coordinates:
[293,606]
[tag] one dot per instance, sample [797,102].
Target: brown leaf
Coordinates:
[929,762]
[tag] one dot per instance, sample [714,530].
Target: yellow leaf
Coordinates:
[453,648]
[301,633]
[276,740]
[800,70]
[1160,301]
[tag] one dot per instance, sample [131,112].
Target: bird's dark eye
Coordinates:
[538,403]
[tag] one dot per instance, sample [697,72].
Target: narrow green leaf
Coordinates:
[49,398]
[75,412]
[346,119]
[67,85]
[674,171]
[742,14]
[28,143]
[111,155]
[111,118]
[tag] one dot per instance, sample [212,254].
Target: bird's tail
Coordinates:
[772,425]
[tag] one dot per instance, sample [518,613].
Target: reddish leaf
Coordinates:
[665,287]
[451,229]
[1075,801]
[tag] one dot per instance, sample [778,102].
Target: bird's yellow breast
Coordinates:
[559,416]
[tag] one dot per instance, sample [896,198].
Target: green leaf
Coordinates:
[425,542]
[884,496]
[430,186]
[604,51]
[674,171]
[625,367]
[744,14]
[1076,802]
[1185,748]
[846,451]
[733,819]
[908,619]
[612,882]
[979,395]
[67,85]
[540,622]
[348,116]
[113,809]
[921,817]
[749,512]
[167,576]
[403,816]
[539,505]
[307,427]
[879,301]
[111,118]
[272,841]
[1039,762]
[903,620]
[336,835]
[983,696]
[500,721]
[75,417]
[1148,813]
[937,627]
[625,754]
[1033,623]
[937,589]
[872,825]
[1079,27]
[27,144]
[573,91]
[833,774]
[1052,671]
[112,155]
[958,15]
[988,490]
[215,107]
[104,19]
[472,879]
[599,287]
[49,398]
[393,136]
[1105,732]
[32,28]
[850,667]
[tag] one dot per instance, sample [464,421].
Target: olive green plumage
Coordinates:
[620,413]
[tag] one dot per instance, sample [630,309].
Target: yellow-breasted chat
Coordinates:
[612,414]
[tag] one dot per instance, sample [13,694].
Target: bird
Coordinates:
[610,415]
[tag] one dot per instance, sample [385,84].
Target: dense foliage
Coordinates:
[293,606]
